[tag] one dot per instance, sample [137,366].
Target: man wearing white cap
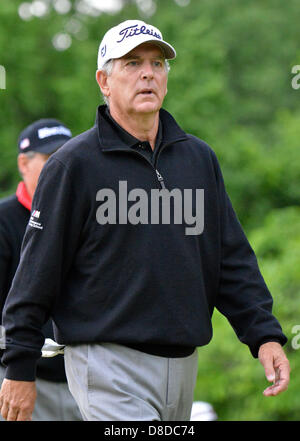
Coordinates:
[137,243]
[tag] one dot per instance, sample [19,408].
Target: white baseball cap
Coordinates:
[124,37]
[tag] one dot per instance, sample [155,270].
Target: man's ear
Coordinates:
[22,163]
[101,78]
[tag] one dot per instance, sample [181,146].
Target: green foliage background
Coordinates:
[231,86]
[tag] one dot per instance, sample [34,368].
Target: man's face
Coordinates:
[30,168]
[138,82]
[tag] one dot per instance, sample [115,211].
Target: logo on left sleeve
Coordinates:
[34,220]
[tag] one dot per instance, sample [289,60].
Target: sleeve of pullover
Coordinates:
[243,297]
[48,246]
[4,265]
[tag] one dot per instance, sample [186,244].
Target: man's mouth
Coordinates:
[146,92]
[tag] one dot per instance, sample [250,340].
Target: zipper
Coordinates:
[158,175]
[160,179]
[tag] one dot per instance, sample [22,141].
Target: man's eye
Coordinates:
[158,64]
[132,63]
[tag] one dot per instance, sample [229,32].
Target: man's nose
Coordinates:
[147,71]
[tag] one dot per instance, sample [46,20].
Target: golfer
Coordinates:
[36,144]
[134,243]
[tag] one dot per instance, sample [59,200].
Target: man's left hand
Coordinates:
[277,367]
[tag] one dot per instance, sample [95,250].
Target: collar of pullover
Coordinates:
[111,139]
[126,137]
[23,196]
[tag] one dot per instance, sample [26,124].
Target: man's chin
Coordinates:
[146,108]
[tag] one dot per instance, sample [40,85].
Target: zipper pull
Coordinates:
[160,179]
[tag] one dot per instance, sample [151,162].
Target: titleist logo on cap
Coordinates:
[131,31]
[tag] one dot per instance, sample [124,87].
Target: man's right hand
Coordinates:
[17,400]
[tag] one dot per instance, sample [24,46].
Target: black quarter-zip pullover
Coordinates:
[123,274]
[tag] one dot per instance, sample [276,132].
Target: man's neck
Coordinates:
[142,126]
